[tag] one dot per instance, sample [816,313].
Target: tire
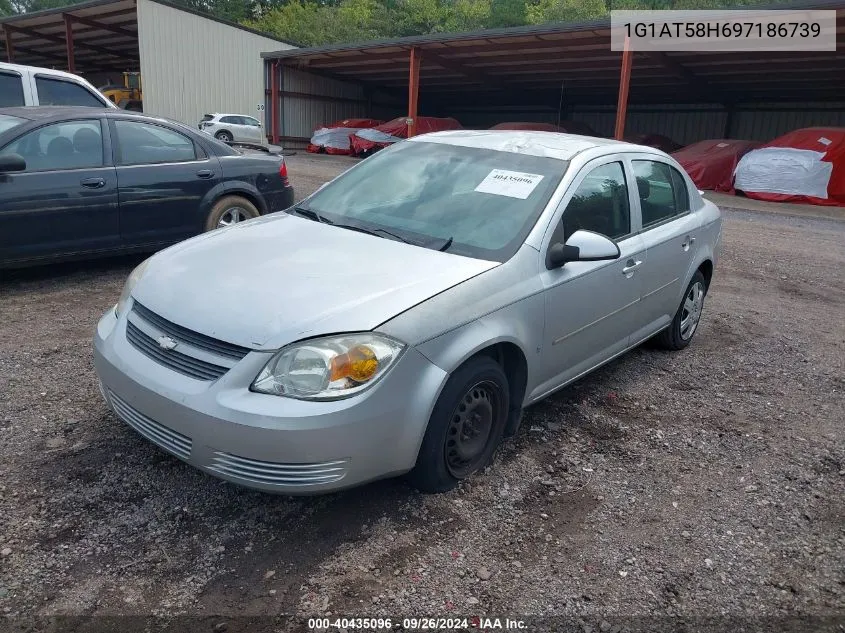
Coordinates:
[680,332]
[224,136]
[480,386]
[230,210]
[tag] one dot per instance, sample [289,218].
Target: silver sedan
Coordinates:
[400,319]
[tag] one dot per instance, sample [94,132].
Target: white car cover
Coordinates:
[784,170]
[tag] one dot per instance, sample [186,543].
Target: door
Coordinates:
[66,200]
[670,233]
[252,129]
[591,307]
[162,177]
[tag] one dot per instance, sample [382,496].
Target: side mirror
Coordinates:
[12,162]
[582,246]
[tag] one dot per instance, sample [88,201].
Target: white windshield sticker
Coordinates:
[513,184]
[825,141]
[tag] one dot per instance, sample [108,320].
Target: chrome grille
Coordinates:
[184,335]
[177,361]
[158,434]
[274,474]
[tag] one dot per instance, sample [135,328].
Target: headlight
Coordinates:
[129,286]
[329,368]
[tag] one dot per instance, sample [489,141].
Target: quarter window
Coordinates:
[600,204]
[146,144]
[60,92]
[68,145]
[662,190]
[11,90]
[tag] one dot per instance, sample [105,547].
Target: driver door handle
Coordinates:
[93,183]
[689,241]
[631,267]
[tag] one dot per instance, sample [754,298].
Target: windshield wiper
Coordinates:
[446,245]
[311,215]
[376,232]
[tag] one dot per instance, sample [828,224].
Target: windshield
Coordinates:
[484,201]
[7,122]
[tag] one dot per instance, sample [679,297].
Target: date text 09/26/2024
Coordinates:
[416,624]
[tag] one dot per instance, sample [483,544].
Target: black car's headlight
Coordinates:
[329,368]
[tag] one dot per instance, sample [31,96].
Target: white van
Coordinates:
[31,86]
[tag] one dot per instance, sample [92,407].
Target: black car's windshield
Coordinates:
[7,122]
[484,201]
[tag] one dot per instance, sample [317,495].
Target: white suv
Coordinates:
[233,128]
[32,86]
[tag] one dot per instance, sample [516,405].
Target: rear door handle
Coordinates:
[205,173]
[631,267]
[93,183]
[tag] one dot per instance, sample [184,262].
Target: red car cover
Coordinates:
[711,163]
[805,166]
[334,137]
[388,133]
[570,127]
[657,141]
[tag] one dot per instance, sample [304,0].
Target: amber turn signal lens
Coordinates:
[358,364]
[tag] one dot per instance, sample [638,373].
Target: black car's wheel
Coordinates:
[680,332]
[224,136]
[230,210]
[465,427]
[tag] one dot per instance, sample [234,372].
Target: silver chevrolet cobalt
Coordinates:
[400,319]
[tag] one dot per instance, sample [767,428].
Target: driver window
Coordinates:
[69,145]
[600,204]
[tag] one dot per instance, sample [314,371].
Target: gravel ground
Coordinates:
[705,483]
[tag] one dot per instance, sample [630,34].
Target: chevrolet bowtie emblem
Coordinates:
[166,343]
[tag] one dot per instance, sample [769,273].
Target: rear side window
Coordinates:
[663,193]
[146,144]
[11,90]
[68,93]
[232,120]
[59,146]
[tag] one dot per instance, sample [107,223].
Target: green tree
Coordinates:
[542,11]
[507,13]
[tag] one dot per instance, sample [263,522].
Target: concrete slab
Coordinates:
[781,208]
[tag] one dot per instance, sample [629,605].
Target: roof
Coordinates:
[543,144]
[105,34]
[573,62]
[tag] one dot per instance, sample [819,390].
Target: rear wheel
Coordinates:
[679,334]
[230,210]
[224,136]
[465,427]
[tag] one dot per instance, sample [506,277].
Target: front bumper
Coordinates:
[268,442]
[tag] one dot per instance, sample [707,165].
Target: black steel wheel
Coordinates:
[465,427]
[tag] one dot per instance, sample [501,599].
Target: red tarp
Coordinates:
[711,163]
[569,127]
[658,141]
[334,137]
[805,166]
[388,133]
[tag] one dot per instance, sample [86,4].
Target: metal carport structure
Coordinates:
[190,62]
[558,70]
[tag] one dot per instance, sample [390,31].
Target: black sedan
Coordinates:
[82,182]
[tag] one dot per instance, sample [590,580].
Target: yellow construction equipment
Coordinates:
[130,91]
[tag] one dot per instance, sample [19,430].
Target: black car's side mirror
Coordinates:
[582,246]
[12,162]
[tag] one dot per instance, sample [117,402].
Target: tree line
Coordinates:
[316,22]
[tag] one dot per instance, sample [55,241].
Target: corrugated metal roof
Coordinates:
[537,63]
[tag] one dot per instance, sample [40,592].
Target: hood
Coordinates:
[268,282]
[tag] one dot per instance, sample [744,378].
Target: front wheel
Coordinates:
[465,427]
[230,210]
[680,332]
